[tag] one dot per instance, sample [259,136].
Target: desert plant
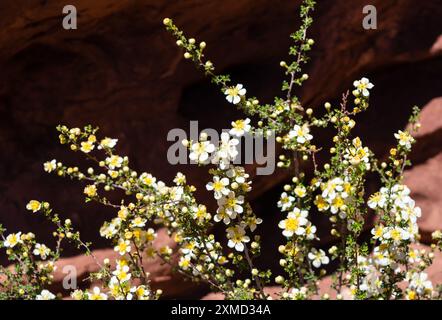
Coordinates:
[394,269]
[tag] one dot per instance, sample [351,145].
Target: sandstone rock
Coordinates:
[429,136]
[424,177]
[424,182]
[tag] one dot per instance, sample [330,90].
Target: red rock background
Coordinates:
[121,70]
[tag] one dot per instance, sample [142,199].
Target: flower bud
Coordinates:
[279,279]
[203,136]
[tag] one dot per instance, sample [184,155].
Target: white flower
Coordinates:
[419,282]
[237,237]
[45,295]
[222,215]
[318,257]
[123,247]
[240,127]
[234,94]
[377,200]
[298,294]
[114,161]
[285,202]
[108,143]
[378,232]
[12,240]
[338,204]
[219,187]
[252,222]
[330,188]
[87,146]
[148,179]
[200,213]
[200,151]
[50,165]
[184,263]
[232,204]
[138,222]
[411,212]
[310,231]
[294,224]
[362,86]
[96,294]
[77,294]
[357,154]
[176,193]
[397,234]
[227,151]
[400,194]
[109,230]
[321,203]
[371,283]
[142,292]
[299,213]
[414,256]
[41,250]
[33,206]
[300,134]
[180,179]
[188,250]
[300,191]
[122,273]
[404,138]
[381,257]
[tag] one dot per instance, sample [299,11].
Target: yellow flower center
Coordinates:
[233,91]
[291,224]
[396,235]
[218,186]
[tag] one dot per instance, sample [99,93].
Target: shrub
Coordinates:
[393,269]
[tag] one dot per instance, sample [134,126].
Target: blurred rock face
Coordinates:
[121,71]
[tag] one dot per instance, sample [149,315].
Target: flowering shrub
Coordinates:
[393,269]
